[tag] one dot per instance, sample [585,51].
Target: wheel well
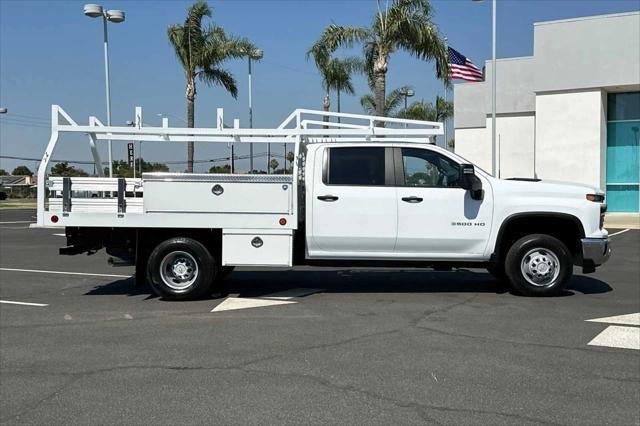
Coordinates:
[148,238]
[564,227]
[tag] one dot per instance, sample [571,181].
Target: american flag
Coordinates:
[461,67]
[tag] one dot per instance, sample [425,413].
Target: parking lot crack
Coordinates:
[426,314]
[515,342]
[421,409]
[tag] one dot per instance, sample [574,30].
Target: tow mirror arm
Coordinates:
[471,182]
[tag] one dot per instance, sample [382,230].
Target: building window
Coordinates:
[623,152]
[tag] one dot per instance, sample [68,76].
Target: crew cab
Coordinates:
[360,194]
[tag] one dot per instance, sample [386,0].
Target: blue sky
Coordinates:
[51,53]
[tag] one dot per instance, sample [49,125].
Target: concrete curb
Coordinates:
[622,220]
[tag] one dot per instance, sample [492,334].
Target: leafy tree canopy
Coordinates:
[220,169]
[65,170]
[121,168]
[22,171]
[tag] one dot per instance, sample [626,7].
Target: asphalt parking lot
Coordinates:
[334,346]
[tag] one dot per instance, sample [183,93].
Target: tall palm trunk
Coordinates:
[380,81]
[191,97]
[338,95]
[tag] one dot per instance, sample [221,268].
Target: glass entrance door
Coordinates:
[623,152]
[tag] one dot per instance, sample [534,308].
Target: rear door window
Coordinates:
[358,166]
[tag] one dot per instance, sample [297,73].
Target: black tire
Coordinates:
[538,265]
[224,272]
[189,269]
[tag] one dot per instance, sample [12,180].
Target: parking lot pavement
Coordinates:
[381,347]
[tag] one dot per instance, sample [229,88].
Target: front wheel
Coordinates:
[181,269]
[538,265]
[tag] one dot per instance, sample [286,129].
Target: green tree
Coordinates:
[3,172]
[391,102]
[220,169]
[290,157]
[421,110]
[202,51]
[22,171]
[404,25]
[121,168]
[65,170]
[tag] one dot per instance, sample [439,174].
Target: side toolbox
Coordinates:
[259,247]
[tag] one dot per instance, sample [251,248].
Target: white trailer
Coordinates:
[365,190]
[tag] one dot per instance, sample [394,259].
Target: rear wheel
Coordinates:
[538,265]
[180,269]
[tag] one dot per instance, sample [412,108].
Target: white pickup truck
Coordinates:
[360,195]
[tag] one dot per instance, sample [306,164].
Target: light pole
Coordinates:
[115,16]
[256,54]
[494,162]
[407,93]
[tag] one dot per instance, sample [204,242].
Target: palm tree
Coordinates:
[202,51]
[336,75]
[421,110]
[274,164]
[391,102]
[405,25]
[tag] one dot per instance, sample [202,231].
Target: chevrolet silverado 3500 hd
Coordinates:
[366,191]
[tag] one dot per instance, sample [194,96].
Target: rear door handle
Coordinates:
[412,199]
[327,198]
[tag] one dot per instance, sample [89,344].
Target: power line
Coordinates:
[25,123]
[29,117]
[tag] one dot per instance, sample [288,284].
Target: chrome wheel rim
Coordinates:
[179,270]
[540,267]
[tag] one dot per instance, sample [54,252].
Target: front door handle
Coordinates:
[412,199]
[327,198]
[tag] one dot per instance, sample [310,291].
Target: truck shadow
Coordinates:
[263,283]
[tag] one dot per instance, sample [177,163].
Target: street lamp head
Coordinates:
[115,16]
[256,54]
[3,110]
[93,10]
[410,93]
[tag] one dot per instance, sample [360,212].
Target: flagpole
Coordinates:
[446,97]
[494,168]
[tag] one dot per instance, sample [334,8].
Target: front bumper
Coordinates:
[595,252]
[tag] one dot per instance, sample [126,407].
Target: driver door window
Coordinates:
[426,169]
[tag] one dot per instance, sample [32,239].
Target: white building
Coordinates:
[570,112]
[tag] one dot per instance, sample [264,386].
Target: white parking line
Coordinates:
[60,235]
[16,221]
[617,336]
[273,299]
[39,271]
[628,319]
[618,233]
[11,302]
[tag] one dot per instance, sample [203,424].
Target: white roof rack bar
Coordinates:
[302,125]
